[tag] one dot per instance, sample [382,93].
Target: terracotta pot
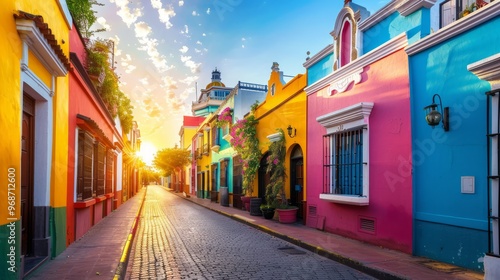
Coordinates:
[246,202]
[287,216]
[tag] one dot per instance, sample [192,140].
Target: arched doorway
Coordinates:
[263,177]
[297,180]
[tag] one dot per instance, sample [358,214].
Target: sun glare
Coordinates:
[147,153]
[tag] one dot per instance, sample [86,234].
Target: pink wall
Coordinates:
[81,101]
[386,84]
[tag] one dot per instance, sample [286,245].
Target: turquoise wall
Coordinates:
[320,69]
[451,226]
[416,26]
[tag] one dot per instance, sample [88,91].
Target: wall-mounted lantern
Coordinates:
[433,116]
[291,130]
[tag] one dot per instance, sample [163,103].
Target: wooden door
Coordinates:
[27,188]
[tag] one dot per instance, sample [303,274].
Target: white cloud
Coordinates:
[128,16]
[142,29]
[199,43]
[189,80]
[181,3]
[165,14]
[102,22]
[204,35]
[195,13]
[144,81]
[142,32]
[184,49]
[193,66]
[186,29]
[130,69]
[208,11]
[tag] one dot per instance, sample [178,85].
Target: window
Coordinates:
[94,167]
[85,165]
[343,163]
[346,155]
[451,10]
[273,89]
[223,172]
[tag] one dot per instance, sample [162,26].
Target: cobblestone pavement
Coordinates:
[177,239]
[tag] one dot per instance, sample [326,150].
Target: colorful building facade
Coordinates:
[453,182]
[359,131]
[93,152]
[35,152]
[285,108]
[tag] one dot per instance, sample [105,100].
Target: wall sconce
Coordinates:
[290,129]
[434,117]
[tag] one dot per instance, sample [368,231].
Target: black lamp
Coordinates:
[434,117]
[290,129]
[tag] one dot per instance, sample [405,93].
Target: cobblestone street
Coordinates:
[177,239]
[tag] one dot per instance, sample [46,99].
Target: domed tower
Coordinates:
[211,97]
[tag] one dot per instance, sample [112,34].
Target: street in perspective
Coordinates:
[178,239]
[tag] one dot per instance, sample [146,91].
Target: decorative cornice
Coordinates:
[391,46]
[411,6]
[320,55]
[349,114]
[487,69]
[342,84]
[274,137]
[380,15]
[460,26]
[36,33]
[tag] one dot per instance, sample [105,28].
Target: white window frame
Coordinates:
[352,117]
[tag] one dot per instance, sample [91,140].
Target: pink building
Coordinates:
[359,138]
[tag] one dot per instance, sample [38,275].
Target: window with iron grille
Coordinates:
[346,155]
[343,162]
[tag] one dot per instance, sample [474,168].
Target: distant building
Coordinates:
[214,94]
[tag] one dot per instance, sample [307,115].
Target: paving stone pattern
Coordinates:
[177,239]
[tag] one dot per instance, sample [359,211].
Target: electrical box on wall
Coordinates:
[468,184]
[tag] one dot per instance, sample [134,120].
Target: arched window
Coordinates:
[345,43]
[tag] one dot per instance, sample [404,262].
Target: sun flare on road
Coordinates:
[147,153]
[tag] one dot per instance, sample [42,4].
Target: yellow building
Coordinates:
[34,153]
[285,108]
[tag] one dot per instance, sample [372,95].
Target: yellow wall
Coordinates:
[286,107]
[11,97]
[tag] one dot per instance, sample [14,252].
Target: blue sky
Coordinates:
[165,50]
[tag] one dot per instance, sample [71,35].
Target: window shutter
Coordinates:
[84,172]
[109,171]
[99,178]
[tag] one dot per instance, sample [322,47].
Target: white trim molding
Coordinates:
[346,118]
[341,85]
[30,34]
[274,137]
[459,26]
[355,116]
[487,69]
[411,6]
[380,15]
[384,50]
[320,55]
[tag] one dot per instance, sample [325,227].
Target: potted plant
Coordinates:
[276,186]
[468,9]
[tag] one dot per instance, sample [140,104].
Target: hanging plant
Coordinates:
[245,142]
[276,169]
[225,117]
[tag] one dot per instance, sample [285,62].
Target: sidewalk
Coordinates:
[98,254]
[376,261]
[102,252]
